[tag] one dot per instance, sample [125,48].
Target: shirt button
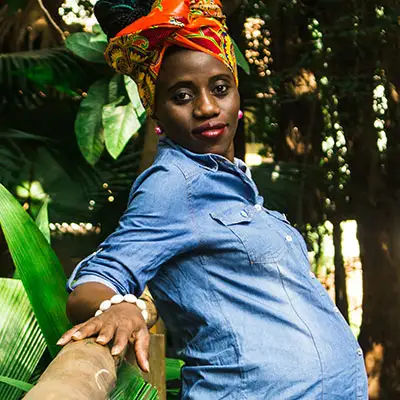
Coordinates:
[289,238]
[243,213]
[312,274]
[258,207]
[359,352]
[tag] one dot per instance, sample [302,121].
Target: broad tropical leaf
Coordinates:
[133,94]
[22,343]
[88,46]
[38,268]
[88,124]
[120,124]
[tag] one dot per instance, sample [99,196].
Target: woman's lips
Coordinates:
[209,131]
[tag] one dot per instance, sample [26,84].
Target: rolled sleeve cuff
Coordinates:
[73,283]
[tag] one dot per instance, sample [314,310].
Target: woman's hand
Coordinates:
[123,323]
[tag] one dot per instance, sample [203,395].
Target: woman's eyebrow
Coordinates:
[221,76]
[180,84]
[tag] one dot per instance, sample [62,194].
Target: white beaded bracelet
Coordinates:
[129,298]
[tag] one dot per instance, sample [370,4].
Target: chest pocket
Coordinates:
[262,240]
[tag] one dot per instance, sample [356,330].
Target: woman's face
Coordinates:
[197,102]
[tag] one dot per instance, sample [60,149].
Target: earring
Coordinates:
[159,131]
[240,114]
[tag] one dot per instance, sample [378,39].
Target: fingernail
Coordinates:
[77,335]
[101,339]
[60,341]
[147,366]
[115,350]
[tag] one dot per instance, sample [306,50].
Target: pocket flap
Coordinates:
[232,216]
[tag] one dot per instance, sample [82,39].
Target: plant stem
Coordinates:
[50,18]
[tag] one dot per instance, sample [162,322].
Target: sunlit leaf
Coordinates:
[133,94]
[22,385]
[38,268]
[130,385]
[88,123]
[120,124]
[21,341]
[42,220]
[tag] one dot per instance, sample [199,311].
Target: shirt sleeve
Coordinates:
[156,227]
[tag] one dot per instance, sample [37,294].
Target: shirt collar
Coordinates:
[208,160]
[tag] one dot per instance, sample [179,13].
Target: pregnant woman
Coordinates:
[230,278]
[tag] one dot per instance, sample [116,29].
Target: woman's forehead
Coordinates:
[190,64]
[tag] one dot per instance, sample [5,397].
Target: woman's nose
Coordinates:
[206,106]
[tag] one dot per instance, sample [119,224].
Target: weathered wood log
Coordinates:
[85,370]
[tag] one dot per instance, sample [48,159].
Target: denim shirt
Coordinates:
[232,282]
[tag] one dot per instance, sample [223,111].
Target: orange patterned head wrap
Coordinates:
[138,50]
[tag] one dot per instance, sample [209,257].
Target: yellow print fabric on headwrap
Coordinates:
[138,50]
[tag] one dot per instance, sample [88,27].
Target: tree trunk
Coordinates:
[379,237]
[340,273]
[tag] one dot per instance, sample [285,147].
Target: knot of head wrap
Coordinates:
[138,49]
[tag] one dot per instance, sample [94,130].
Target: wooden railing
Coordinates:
[85,370]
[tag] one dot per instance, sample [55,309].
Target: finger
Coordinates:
[107,332]
[67,336]
[142,344]
[90,328]
[121,339]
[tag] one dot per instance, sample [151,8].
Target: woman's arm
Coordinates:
[84,301]
[123,323]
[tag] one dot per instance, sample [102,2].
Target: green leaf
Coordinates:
[21,341]
[88,46]
[116,88]
[173,368]
[38,267]
[133,94]
[120,124]
[22,385]
[241,59]
[42,220]
[88,123]
[23,74]
[130,385]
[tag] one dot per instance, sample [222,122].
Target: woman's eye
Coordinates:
[182,96]
[221,89]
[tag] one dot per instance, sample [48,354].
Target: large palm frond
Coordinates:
[27,77]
